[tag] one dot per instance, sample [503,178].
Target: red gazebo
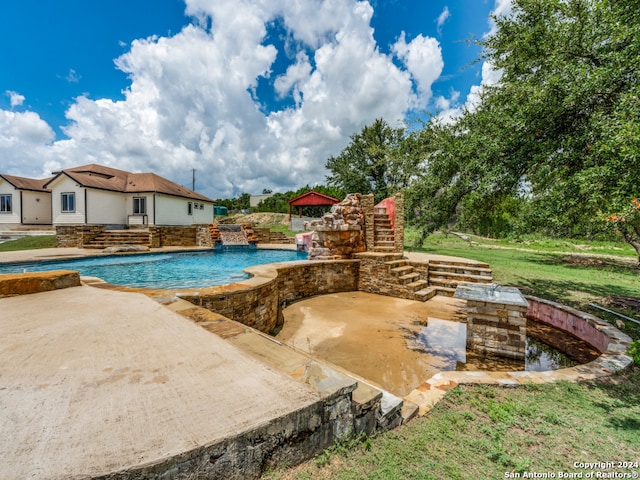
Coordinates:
[311,199]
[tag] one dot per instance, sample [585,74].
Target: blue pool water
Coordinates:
[165,270]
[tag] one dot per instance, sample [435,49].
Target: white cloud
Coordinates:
[72,76]
[15,98]
[25,140]
[192,99]
[423,59]
[443,18]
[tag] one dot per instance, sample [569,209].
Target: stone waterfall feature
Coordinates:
[339,234]
[232,235]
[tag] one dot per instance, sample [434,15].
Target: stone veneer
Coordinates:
[14,284]
[496,319]
[159,235]
[170,236]
[497,329]
[258,302]
[375,277]
[339,234]
[76,235]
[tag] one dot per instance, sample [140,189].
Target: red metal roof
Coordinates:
[312,199]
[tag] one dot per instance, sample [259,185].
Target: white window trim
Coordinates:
[69,195]
[144,204]
[10,196]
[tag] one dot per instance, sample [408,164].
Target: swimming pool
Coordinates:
[165,270]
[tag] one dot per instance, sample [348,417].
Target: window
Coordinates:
[189,208]
[68,202]
[139,205]
[5,203]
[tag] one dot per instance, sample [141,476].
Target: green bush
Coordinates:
[634,351]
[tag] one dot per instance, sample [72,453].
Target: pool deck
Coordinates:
[95,381]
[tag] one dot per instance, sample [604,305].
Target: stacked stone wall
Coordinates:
[339,234]
[497,329]
[318,278]
[173,236]
[256,307]
[374,276]
[259,306]
[250,233]
[399,223]
[265,235]
[367,204]
[203,236]
[76,235]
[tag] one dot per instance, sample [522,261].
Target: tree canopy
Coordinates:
[554,146]
[379,160]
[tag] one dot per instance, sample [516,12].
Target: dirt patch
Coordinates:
[620,301]
[584,261]
[261,218]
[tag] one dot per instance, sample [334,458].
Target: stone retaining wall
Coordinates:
[375,276]
[582,325]
[258,302]
[170,236]
[76,235]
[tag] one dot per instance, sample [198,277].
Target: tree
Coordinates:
[376,161]
[628,225]
[560,131]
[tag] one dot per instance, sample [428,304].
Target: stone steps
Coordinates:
[383,249]
[425,294]
[383,234]
[437,275]
[460,266]
[112,238]
[442,277]
[401,270]
[409,278]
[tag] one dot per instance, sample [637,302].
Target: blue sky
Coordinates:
[253,94]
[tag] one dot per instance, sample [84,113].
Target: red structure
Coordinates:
[311,199]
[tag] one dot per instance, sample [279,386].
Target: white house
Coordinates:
[24,201]
[97,195]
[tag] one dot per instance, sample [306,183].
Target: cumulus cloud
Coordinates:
[194,98]
[25,140]
[423,59]
[15,98]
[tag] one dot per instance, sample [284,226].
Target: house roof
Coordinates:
[107,178]
[312,198]
[22,183]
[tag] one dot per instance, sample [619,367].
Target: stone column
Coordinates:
[367,203]
[496,319]
[498,329]
[399,223]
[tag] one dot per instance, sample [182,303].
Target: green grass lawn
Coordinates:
[482,432]
[29,243]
